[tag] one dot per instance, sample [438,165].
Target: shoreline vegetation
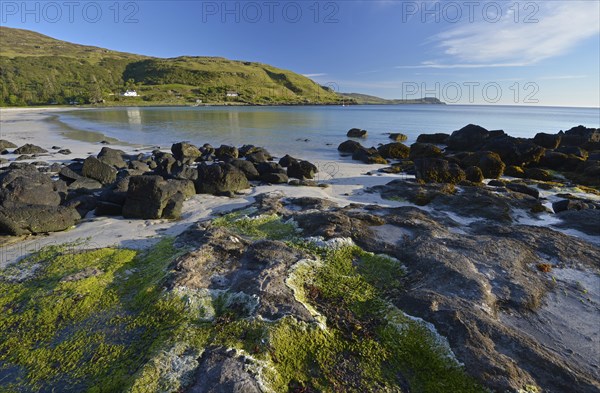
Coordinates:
[381,285]
[39,70]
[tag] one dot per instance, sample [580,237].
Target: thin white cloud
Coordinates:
[560,26]
[561,77]
[314,75]
[428,64]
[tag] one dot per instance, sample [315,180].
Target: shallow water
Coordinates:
[315,131]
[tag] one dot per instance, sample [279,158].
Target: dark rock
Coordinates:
[286,160]
[214,179]
[523,189]
[548,141]
[394,150]
[25,219]
[585,220]
[573,150]
[98,170]
[538,174]
[183,172]
[437,139]
[83,204]
[474,174]
[148,196]
[570,204]
[4,144]
[490,163]
[497,183]
[560,161]
[515,151]
[269,167]
[580,136]
[174,206]
[66,152]
[247,168]
[108,209]
[368,156]
[225,152]
[30,149]
[184,151]
[424,150]
[398,137]
[85,183]
[438,170]
[302,170]
[274,178]
[514,171]
[258,156]
[349,146]
[357,133]
[113,157]
[28,186]
[221,371]
[139,166]
[468,138]
[24,157]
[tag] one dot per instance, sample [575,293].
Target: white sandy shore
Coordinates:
[27,125]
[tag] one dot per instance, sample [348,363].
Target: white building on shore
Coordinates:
[130,93]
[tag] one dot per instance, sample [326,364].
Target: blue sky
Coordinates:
[482,52]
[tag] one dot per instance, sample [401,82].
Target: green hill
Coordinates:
[364,99]
[38,70]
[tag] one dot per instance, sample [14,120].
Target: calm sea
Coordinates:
[315,132]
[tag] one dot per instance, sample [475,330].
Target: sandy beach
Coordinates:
[346,181]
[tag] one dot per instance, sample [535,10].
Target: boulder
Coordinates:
[274,178]
[148,196]
[490,163]
[474,174]
[573,151]
[28,148]
[286,160]
[302,170]
[468,138]
[269,167]
[113,157]
[437,139]
[514,171]
[247,168]
[258,156]
[32,219]
[98,170]
[4,144]
[438,170]
[83,204]
[219,178]
[225,152]
[570,204]
[523,189]
[538,174]
[548,141]
[183,171]
[357,133]
[368,156]
[424,150]
[394,150]
[28,186]
[398,137]
[515,151]
[349,146]
[580,136]
[184,151]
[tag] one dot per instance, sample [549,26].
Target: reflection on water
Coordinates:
[280,129]
[134,116]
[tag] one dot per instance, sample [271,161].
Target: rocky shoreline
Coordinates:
[482,273]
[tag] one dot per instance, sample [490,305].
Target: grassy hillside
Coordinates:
[365,99]
[38,70]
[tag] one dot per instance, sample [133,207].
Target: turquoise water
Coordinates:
[279,128]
